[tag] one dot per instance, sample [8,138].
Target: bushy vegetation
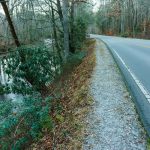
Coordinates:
[17,129]
[31,68]
[27,121]
[5,108]
[80,28]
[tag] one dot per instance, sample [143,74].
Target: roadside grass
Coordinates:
[73,102]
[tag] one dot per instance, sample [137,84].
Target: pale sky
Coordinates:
[97,3]
[1,10]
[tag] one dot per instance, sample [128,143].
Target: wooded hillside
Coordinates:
[124,17]
[39,39]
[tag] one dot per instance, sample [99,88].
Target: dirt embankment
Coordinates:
[74,104]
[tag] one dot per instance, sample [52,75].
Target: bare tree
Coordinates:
[11,26]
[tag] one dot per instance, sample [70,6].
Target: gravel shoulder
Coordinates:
[113,123]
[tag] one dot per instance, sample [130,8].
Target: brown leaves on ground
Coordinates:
[75,101]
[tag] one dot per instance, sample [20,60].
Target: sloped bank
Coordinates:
[68,132]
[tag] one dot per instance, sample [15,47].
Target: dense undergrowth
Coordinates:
[71,108]
[55,117]
[30,68]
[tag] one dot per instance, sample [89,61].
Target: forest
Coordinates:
[38,39]
[127,18]
[41,40]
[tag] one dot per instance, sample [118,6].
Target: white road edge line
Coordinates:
[140,85]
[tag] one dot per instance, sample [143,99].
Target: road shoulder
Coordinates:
[113,122]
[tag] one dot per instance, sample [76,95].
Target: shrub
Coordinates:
[125,34]
[80,28]
[5,108]
[27,124]
[31,68]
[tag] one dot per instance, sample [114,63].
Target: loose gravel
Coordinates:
[113,123]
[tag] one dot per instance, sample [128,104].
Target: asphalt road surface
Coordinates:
[135,53]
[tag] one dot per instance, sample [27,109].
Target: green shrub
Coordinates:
[74,60]
[27,124]
[5,108]
[31,68]
[125,34]
[80,28]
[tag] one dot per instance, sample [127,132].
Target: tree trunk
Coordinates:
[65,10]
[60,12]
[55,33]
[23,59]
[11,26]
[72,47]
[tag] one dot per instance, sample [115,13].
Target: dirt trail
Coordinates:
[113,123]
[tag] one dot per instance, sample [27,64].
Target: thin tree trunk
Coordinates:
[60,12]
[55,33]
[65,10]
[72,47]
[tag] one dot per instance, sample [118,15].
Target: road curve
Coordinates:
[135,53]
[112,123]
[133,59]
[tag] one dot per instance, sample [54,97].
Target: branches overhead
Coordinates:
[31,18]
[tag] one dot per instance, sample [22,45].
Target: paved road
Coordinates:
[135,53]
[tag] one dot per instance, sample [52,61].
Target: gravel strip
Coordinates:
[113,123]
